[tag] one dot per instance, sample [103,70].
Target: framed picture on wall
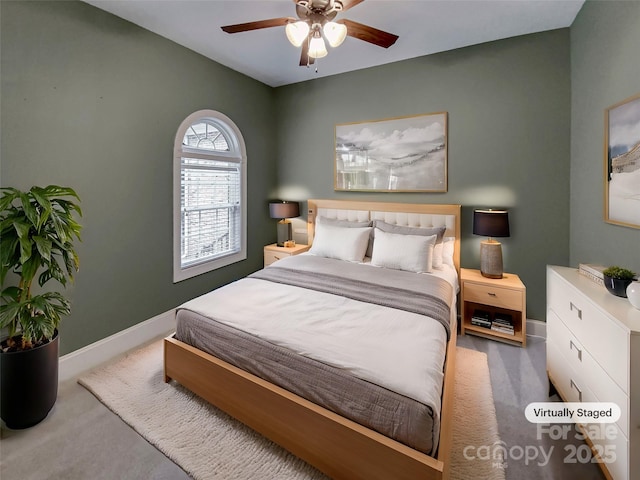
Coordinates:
[404,154]
[622,163]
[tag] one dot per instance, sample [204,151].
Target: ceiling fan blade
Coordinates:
[245,27]
[347,4]
[305,59]
[369,34]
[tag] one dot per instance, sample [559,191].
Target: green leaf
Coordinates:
[29,270]
[8,314]
[11,293]
[22,227]
[53,271]
[44,203]
[71,261]
[26,248]
[57,191]
[29,209]
[8,197]
[59,227]
[9,255]
[44,246]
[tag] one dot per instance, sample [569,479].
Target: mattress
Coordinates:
[377,364]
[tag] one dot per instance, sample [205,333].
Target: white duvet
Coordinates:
[401,351]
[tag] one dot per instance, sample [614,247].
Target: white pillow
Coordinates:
[448,245]
[403,252]
[438,259]
[343,243]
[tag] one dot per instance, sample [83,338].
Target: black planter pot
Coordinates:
[29,385]
[617,286]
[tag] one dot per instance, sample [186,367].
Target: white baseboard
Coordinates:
[86,358]
[536,328]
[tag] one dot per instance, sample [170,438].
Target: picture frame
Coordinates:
[622,163]
[401,154]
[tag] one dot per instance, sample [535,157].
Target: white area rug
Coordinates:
[208,444]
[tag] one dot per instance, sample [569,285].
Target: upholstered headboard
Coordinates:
[405,214]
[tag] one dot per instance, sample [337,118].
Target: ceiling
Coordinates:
[424,27]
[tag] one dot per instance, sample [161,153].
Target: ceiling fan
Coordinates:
[315,23]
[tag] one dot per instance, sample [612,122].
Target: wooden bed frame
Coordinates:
[339,447]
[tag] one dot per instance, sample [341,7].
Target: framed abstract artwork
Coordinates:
[622,163]
[404,154]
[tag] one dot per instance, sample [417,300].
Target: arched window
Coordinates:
[209,195]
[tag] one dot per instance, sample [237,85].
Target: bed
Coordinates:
[295,385]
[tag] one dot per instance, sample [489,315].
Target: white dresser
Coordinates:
[593,355]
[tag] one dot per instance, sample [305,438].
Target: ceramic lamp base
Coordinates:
[491,259]
[284,232]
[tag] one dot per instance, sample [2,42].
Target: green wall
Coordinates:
[509,126]
[94,102]
[605,48]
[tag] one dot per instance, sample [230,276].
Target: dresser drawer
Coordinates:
[497,296]
[605,341]
[569,386]
[564,300]
[586,371]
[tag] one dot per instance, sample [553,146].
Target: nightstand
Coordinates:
[274,252]
[503,298]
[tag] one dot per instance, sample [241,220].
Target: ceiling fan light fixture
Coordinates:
[335,33]
[317,48]
[297,32]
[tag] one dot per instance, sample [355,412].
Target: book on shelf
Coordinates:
[592,272]
[503,322]
[503,319]
[480,323]
[502,329]
[482,314]
[481,318]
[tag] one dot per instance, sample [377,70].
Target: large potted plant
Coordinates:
[37,233]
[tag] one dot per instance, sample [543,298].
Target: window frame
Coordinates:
[237,151]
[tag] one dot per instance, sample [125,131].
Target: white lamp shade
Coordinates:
[335,33]
[297,32]
[317,49]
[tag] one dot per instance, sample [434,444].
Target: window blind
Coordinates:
[210,209]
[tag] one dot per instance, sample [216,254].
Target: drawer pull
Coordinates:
[276,257]
[573,385]
[572,346]
[491,294]
[572,307]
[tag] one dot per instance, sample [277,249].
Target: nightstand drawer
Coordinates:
[273,253]
[270,257]
[493,295]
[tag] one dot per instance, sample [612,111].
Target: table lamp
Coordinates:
[284,210]
[491,223]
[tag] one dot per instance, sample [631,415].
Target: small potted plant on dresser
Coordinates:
[617,279]
[37,231]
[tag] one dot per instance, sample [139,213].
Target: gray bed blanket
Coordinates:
[417,293]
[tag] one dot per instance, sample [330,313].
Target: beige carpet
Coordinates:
[208,444]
